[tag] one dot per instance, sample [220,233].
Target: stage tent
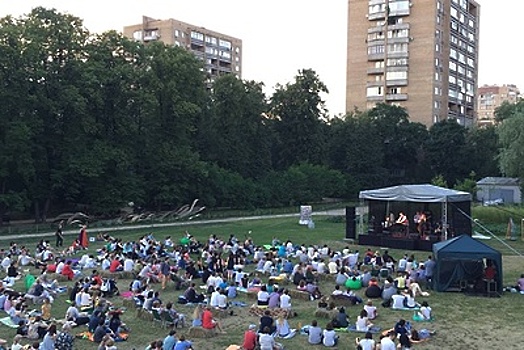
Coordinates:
[463,259]
[455,206]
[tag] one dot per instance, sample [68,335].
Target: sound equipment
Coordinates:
[351,225]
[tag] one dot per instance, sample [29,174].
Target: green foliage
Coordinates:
[511,136]
[299,115]
[468,185]
[98,120]
[439,181]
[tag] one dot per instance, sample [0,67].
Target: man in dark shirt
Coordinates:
[267,321]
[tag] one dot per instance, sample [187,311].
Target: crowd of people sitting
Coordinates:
[219,266]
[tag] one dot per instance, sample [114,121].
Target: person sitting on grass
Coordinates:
[363,324]
[424,314]
[398,300]
[283,329]
[314,333]
[250,338]
[371,310]
[329,337]
[263,297]
[341,319]
[367,343]
[266,340]
[183,344]
[208,322]
[409,301]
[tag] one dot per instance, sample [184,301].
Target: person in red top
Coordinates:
[82,237]
[95,277]
[490,272]
[115,266]
[250,338]
[208,322]
[68,271]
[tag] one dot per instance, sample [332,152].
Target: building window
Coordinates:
[176,33]
[224,43]
[374,91]
[197,35]
[394,62]
[396,75]
[211,40]
[374,50]
[137,35]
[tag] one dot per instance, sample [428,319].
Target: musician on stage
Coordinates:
[402,219]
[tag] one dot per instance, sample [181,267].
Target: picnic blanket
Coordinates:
[126,294]
[418,318]
[372,329]
[89,336]
[8,322]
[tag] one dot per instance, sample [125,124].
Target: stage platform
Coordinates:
[396,243]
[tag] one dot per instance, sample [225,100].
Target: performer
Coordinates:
[402,219]
[82,237]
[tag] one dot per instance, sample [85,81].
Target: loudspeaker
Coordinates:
[351,225]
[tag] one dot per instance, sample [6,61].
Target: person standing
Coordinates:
[82,237]
[59,234]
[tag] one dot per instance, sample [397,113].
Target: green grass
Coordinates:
[462,321]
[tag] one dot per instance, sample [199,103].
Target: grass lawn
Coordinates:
[461,321]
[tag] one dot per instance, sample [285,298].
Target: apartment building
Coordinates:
[492,96]
[421,55]
[220,53]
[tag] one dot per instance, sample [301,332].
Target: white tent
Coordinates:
[416,193]
[423,193]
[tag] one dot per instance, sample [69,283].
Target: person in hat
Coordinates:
[250,338]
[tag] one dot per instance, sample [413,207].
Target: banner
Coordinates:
[305,214]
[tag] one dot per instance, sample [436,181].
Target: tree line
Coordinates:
[94,121]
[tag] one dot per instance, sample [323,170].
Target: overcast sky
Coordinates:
[282,36]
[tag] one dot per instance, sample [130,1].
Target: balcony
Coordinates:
[397,82]
[396,97]
[375,98]
[151,37]
[376,70]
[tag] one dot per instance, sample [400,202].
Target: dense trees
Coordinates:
[99,120]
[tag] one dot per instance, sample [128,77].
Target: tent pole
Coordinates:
[445,219]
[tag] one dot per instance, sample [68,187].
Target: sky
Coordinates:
[281,37]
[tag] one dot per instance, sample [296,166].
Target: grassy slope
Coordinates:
[462,321]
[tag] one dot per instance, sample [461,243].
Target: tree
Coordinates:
[447,151]
[299,115]
[483,145]
[235,134]
[50,47]
[511,137]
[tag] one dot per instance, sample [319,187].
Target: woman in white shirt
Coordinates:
[283,329]
[285,301]
[363,323]
[329,338]
[425,311]
[263,296]
[410,300]
[266,340]
[367,343]
[371,310]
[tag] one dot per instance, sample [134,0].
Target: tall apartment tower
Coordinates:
[492,96]
[418,54]
[221,54]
